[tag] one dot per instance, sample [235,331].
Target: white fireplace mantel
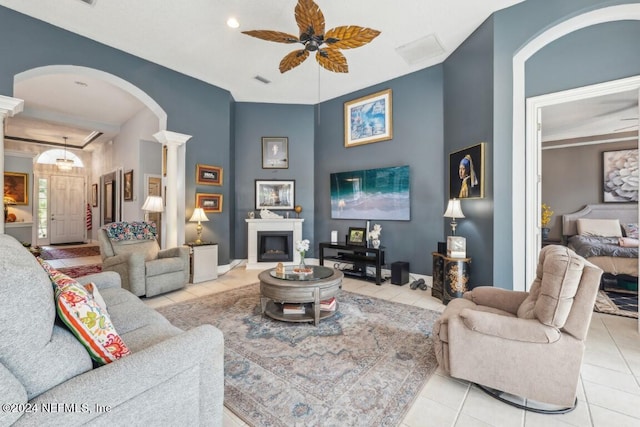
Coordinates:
[270,224]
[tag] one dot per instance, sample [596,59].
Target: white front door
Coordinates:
[67,209]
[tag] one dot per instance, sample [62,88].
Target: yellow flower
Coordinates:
[545,218]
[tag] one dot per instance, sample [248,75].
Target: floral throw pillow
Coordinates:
[90,324]
[138,230]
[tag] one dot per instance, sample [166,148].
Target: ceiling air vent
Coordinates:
[262,80]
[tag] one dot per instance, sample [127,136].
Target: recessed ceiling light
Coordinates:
[233,22]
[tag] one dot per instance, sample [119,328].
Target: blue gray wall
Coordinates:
[417,142]
[252,122]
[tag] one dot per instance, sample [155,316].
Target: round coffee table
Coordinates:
[277,289]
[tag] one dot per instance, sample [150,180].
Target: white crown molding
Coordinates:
[10,106]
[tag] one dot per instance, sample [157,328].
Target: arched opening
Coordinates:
[525,211]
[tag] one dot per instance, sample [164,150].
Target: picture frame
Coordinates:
[127,186]
[16,187]
[275,194]
[210,203]
[466,172]
[275,152]
[94,195]
[616,188]
[368,119]
[357,236]
[208,175]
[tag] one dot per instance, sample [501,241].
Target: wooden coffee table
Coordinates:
[309,289]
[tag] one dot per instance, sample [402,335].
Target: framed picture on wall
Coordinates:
[94,195]
[275,152]
[275,194]
[208,175]
[620,176]
[466,173]
[127,187]
[368,119]
[209,202]
[16,188]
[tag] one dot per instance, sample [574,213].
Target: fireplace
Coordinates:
[275,246]
[270,227]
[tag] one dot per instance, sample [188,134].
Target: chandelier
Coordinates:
[65,164]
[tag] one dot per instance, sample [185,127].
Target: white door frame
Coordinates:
[523,176]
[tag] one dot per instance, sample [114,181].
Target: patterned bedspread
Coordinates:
[589,246]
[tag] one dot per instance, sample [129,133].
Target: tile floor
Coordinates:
[608,394]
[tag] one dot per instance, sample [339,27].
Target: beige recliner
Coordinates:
[528,344]
[145,269]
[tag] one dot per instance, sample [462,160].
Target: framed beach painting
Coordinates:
[275,194]
[368,119]
[466,173]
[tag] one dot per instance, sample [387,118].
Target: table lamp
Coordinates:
[456,245]
[198,215]
[152,204]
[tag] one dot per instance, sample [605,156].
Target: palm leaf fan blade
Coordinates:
[272,36]
[293,59]
[349,37]
[332,60]
[309,18]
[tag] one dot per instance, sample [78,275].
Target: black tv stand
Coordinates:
[358,256]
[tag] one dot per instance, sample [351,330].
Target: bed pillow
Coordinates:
[628,242]
[630,230]
[599,227]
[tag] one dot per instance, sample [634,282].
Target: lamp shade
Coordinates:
[198,215]
[153,204]
[454,210]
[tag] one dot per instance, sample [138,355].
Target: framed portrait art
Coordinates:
[275,194]
[16,188]
[466,173]
[94,195]
[620,176]
[208,175]
[368,119]
[127,188]
[209,202]
[275,152]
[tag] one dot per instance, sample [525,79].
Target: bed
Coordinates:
[607,235]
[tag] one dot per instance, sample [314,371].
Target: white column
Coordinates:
[8,107]
[172,140]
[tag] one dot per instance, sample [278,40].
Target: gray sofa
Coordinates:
[171,377]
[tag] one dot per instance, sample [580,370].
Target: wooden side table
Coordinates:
[450,277]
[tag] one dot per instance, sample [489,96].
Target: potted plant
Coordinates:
[545,219]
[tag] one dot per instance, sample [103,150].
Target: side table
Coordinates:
[204,261]
[450,277]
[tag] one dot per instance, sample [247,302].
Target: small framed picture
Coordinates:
[16,188]
[275,194]
[368,119]
[127,188]
[209,202]
[275,152]
[356,236]
[94,195]
[208,175]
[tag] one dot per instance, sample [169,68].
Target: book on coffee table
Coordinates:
[328,304]
[288,308]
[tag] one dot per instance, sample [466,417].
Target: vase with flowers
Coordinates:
[302,246]
[374,235]
[545,218]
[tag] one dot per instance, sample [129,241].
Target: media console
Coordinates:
[358,256]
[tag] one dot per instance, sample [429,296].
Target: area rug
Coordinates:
[619,304]
[81,270]
[63,253]
[362,367]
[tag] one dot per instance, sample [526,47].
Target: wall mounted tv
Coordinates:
[374,194]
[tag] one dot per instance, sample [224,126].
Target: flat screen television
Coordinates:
[374,194]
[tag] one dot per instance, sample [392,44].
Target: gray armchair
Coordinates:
[528,344]
[144,268]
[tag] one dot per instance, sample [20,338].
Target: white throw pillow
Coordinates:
[599,227]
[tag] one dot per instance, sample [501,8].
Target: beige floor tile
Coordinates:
[615,400]
[158,301]
[446,391]
[579,417]
[614,379]
[491,411]
[427,412]
[229,419]
[606,357]
[603,417]
[465,420]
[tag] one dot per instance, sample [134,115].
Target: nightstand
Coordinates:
[204,262]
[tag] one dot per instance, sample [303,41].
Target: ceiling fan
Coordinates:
[628,127]
[314,39]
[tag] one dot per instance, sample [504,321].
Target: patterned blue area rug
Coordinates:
[362,367]
[617,303]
